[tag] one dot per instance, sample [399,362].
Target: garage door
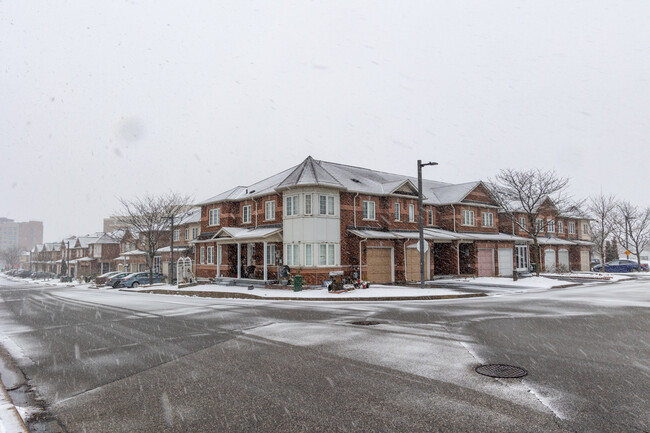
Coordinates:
[486,262]
[379,265]
[505,262]
[549,260]
[563,260]
[584,260]
[413,264]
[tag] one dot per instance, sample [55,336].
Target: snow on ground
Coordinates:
[530,282]
[10,420]
[374,291]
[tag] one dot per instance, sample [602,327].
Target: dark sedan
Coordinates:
[621,266]
[116,280]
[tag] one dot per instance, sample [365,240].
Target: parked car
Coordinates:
[116,280]
[139,278]
[621,266]
[101,279]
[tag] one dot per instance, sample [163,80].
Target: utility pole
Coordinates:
[171,252]
[420,218]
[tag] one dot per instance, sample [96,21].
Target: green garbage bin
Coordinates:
[297,283]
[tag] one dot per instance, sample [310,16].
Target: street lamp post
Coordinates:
[420,218]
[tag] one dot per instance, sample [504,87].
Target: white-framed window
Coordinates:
[292,257]
[468,217]
[326,205]
[430,213]
[246,214]
[411,213]
[522,223]
[572,228]
[309,255]
[307,204]
[214,217]
[202,255]
[326,254]
[397,215]
[187,234]
[270,254]
[560,227]
[488,219]
[210,255]
[585,228]
[550,225]
[291,205]
[195,232]
[368,210]
[177,235]
[539,225]
[269,210]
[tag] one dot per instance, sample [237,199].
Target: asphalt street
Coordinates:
[111,361]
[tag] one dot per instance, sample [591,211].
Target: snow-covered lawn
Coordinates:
[374,291]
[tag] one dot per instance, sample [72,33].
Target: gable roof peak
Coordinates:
[310,172]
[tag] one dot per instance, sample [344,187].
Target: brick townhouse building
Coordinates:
[321,216]
[564,239]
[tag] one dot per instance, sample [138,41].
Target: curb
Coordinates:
[232,295]
[11,412]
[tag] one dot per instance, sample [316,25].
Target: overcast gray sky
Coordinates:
[100,99]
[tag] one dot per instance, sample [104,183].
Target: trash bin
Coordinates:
[297,283]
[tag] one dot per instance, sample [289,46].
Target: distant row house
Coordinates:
[320,216]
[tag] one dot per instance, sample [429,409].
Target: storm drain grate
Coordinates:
[365,323]
[501,370]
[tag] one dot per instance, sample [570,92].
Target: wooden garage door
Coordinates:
[413,264]
[379,265]
[563,259]
[505,262]
[485,262]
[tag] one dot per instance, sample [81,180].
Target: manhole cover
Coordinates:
[366,323]
[501,370]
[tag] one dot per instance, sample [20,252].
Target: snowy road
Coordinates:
[115,361]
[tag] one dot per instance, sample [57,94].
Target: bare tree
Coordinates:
[602,210]
[632,228]
[11,256]
[151,217]
[524,192]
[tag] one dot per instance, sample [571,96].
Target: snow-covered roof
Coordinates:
[84,241]
[436,235]
[106,238]
[553,241]
[133,253]
[167,249]
[313,172]
[190,217]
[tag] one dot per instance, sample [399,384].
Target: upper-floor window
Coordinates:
[539,225]
[291,206]
[488,219]
[326,205]
[195,232]
[430,217]
[411,213]
[468,217]
[397,215]
[187,234]
[307,204]
[368,210]
[560,227]
[269,210]
[214,217]
[550,226]
[572,228]
[522,223]
[246,214]
[177,235]
[585,228]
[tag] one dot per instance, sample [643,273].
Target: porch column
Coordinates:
[265,259]
[457,258]
[238,260]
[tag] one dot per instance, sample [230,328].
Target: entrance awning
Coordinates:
[239,235]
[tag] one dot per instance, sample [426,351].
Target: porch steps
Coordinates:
[242,282]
